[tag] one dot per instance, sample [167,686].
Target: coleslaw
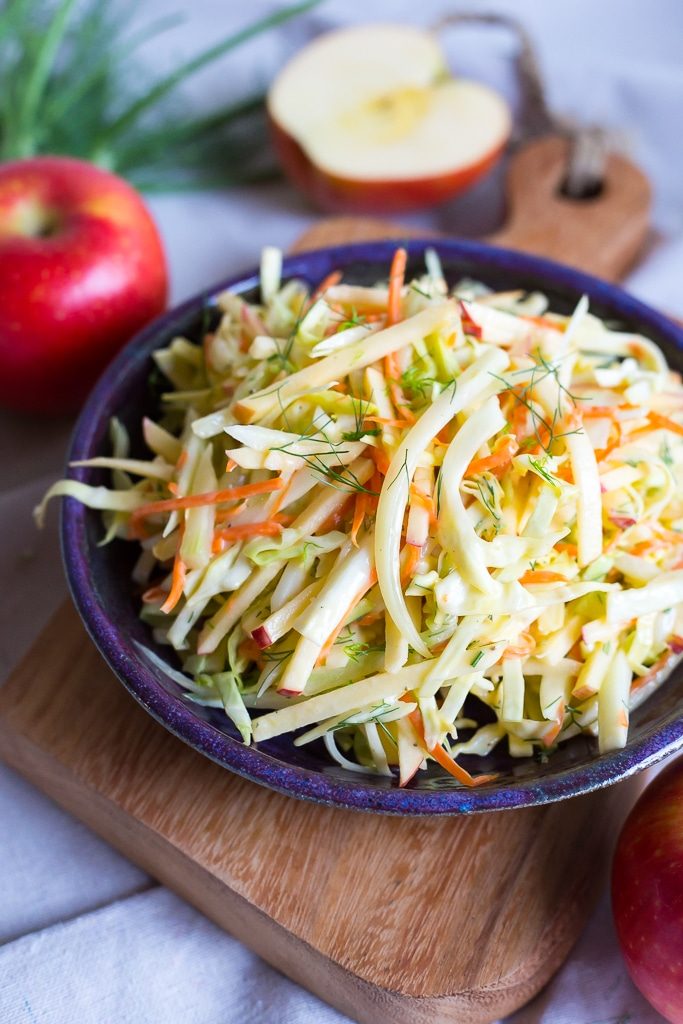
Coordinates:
[410,521]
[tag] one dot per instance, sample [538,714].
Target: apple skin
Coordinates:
[346,195]
[82,269]
[647,893]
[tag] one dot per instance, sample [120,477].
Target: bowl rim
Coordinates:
[257,765]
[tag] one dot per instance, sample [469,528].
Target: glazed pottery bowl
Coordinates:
[99,577]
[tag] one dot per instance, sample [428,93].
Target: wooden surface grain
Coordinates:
[393,921]
[389,919]
[602,236]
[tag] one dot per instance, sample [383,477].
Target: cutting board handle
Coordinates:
[602,235]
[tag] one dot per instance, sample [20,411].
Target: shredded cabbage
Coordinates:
[388,515]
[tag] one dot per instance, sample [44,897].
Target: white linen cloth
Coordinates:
[88,937]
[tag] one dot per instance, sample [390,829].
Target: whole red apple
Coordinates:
[647,893]
[81,270]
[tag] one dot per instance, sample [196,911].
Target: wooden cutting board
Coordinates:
[393,921]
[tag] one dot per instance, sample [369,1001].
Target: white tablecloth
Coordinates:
[88,936]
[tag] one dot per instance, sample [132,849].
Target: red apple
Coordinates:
[647,893]
[81,270]
[261,637]
[369,119]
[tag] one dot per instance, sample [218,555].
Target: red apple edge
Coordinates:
[348,195]
[647,892]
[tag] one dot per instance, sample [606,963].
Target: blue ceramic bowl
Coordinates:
[100,577]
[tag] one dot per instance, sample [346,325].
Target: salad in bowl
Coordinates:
[415,521]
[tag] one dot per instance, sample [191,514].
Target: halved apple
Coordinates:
[369,119]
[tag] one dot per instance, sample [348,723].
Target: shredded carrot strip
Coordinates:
[182,459]
[177,583]
[397,393]
[631,435]
[231,464]
[391,367]
[154,594]
[569,549]
[508,404]
[375,486]
[421,498]
[543,321]
[425,501]
[371,618]
[327,282]
[645,546]
[210,498]
[440,755]
[244,531]
[173,487]
[602,411]
[279,498]
[380,458]
[359,510]
[329,643]
[505,448]
[660,422]
[602,454]
[599,412]
[655,421]
[655,544]
[400,401]
[572,420]
[542,576]
[223,514]
[396,277]
[411,559]
[367,310]
[385,421]
[520,421]
[565,472]
[543,435]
